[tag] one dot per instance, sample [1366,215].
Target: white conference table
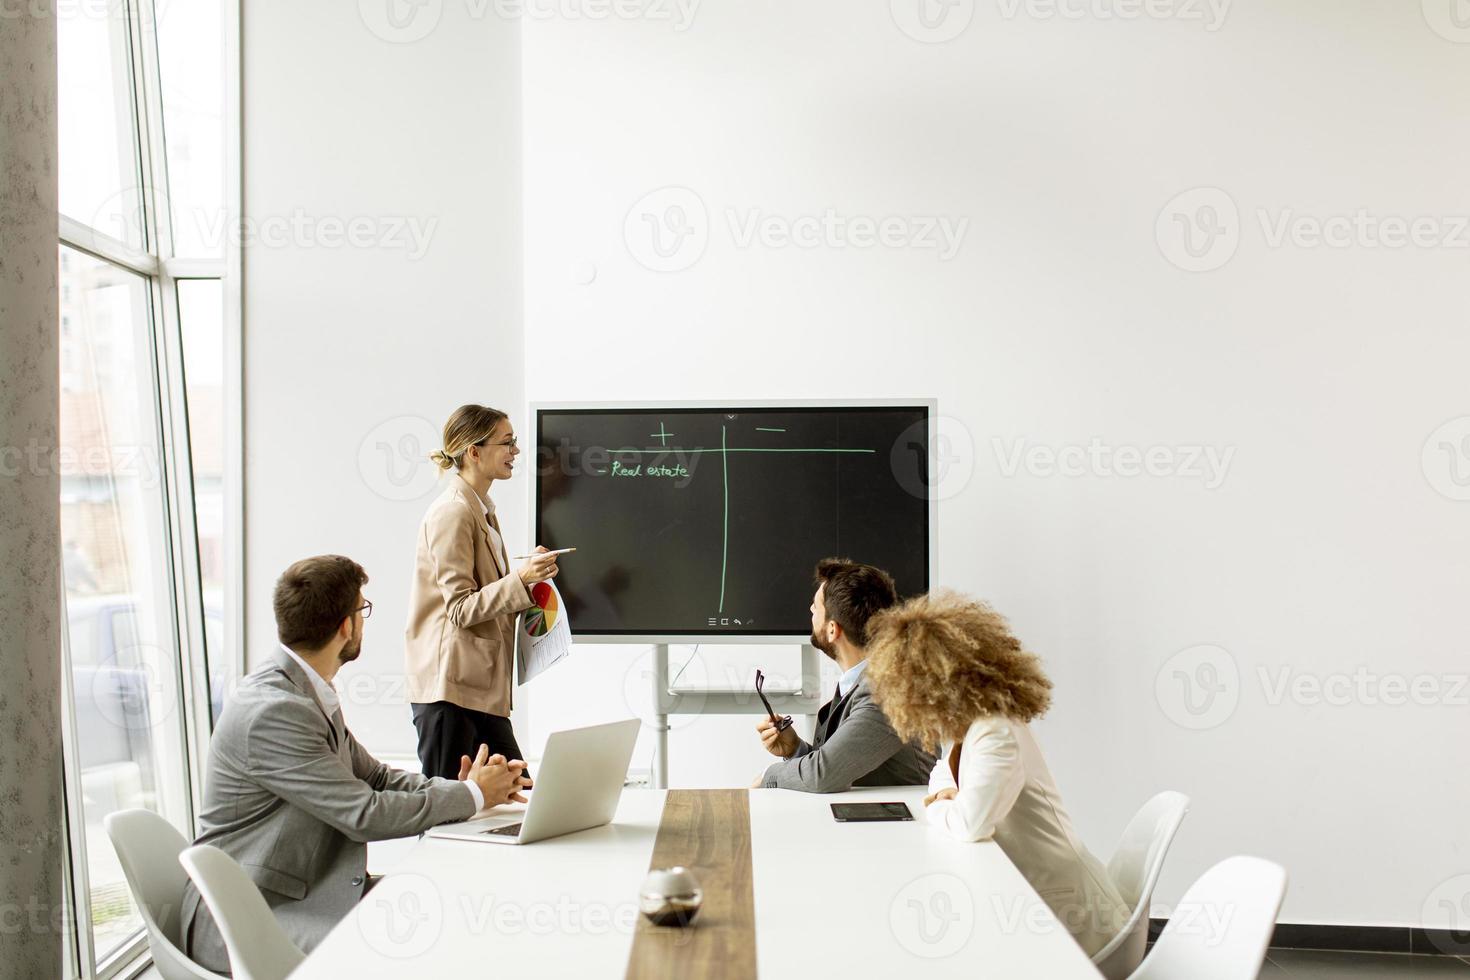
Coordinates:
[830,899]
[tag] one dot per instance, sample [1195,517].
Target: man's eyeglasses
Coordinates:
[366,609]
[784,721]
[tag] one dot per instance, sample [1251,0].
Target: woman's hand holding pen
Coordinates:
[540,567]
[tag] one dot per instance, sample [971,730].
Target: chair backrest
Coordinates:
[1222,926]
[1134,868]
[259,948]
[148,847]
[1139,856]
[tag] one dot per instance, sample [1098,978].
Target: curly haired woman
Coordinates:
[948,674]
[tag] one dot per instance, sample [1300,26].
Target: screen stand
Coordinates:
[715,701]
[659,777]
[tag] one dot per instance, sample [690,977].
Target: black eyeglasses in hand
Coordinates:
[784,721]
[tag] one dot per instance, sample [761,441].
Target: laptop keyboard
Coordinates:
[513,830]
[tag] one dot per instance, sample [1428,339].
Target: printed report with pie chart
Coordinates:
[542,617]
[545,634]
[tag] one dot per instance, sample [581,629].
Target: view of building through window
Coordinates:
[147,511]
[117,572]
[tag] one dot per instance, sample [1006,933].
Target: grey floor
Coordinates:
[1313,964]
[1293,964]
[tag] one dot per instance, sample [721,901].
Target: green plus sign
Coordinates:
[661,435]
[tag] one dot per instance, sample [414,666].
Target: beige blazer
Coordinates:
[1005,791]
[461,637]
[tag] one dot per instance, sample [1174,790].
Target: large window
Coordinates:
[149,448]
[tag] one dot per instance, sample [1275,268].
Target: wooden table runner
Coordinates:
[708,832]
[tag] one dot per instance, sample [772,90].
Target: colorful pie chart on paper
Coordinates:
[541,617]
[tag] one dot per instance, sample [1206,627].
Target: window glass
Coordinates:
[98,148]
[121,639]
[191,53]
[201,317]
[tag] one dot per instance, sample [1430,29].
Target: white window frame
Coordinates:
[155,261]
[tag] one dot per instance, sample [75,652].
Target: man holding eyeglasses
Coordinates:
[854,743]
[291,795]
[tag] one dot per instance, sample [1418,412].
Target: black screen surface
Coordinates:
[870,812]
[709,521]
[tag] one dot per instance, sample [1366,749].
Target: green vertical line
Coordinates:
[725,552]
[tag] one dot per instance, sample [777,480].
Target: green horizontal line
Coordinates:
[779,450]
[661,452]
[761,428]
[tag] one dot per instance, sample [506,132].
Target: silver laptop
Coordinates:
[578,784]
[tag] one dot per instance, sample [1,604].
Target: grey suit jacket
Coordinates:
[854,745]
[294,798]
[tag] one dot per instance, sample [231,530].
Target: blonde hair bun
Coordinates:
[470,425]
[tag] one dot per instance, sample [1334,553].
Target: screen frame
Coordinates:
[929,405]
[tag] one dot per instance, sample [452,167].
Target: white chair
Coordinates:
[259,948]
[1222,925]
[1134,868]
[148,848]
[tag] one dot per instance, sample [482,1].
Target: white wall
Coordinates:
[356,352]
[1328,546]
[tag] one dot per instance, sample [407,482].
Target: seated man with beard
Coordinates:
[854,745]
[291,795]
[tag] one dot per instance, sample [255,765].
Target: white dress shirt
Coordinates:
[332,705]
[325,692]
[488,506]
[849,678]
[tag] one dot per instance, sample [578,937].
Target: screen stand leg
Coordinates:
[659,777]
[666,702]
[811,684]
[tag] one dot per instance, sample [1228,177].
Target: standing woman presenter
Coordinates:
[460,645]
